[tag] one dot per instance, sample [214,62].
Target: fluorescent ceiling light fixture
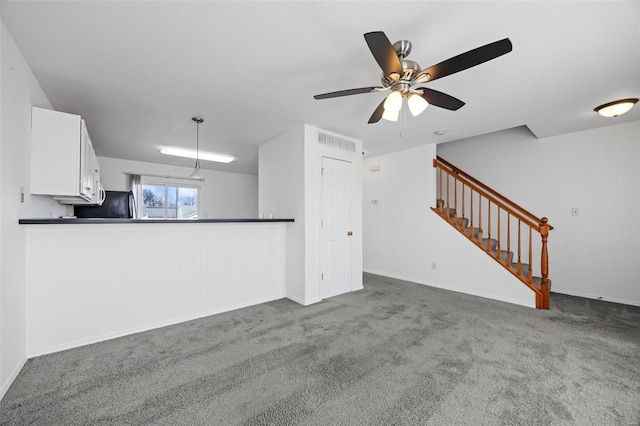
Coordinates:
[190,153]
[616,108]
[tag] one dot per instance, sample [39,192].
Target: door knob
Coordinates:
[349,233]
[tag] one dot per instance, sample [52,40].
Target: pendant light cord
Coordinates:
[198,120]
[198,143]
[197,172]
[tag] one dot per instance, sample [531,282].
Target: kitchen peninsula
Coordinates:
[106,278]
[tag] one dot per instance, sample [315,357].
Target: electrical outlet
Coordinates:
[575,211]
[433,265]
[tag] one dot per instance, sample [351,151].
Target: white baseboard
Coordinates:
[5,386]
[296,299]
[593,296]
[449,288]
[302,302]
[83,342]
[311,302]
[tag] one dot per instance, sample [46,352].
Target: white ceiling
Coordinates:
[137,71]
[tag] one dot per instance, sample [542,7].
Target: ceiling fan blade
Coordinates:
[468,59]
[383,52]
[377,114]
[440,99]
[348,92]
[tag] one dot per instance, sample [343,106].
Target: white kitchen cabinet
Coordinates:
[63,163]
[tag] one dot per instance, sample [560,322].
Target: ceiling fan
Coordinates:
[400,75]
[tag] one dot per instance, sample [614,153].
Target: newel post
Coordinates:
[544,263]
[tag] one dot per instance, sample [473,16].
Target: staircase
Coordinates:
[509,234]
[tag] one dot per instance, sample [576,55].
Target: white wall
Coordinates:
[133,277]
[290,186]
[20,91]
[281,194]
[403,237]
[598,171]
[223,195]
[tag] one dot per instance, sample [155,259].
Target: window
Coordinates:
[166,201]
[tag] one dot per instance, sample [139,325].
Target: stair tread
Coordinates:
[493,243]
[462,223]
[523,266]
[505,255]
[475,231]
[537,281]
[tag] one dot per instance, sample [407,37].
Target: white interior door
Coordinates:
[336,251]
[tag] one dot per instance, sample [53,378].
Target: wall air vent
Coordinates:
[336,142]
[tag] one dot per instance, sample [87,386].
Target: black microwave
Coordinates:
[117,204]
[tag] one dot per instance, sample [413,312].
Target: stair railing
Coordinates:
[495,223]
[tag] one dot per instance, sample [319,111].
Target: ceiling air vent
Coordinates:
[336,142]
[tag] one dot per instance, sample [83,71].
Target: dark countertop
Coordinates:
[98,221]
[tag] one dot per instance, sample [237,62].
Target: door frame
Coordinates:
[313,153]
[322,254]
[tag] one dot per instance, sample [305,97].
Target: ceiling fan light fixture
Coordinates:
[390,115]
[393,102]
[417,104]
[616,108]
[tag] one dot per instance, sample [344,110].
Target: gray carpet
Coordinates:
[396,353]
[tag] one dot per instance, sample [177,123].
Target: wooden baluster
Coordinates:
[544,263]
[508,237]
[471,225]
[498,246]
[530,256]
[455,200]
[488,225]
[479,218]
[519,249]
[441,202]
[463,213]
[447,209]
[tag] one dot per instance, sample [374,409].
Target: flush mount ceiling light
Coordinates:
[616,108]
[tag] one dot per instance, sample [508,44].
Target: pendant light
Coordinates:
[197,171]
